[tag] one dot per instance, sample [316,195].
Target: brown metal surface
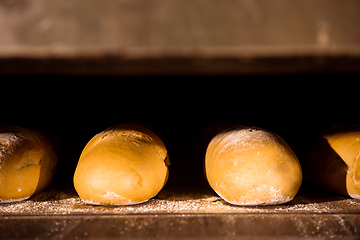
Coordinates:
[179,37]
[179,213]
[247,226]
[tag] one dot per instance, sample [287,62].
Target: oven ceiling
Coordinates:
[160,37]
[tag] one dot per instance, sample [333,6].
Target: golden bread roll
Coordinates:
[252,166]
[123,165]
[27,163]
[335,164]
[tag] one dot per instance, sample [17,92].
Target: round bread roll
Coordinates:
[335,164]
[27,163]
[123,165]
[252,166]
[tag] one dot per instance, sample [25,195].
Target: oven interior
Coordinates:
[185,69]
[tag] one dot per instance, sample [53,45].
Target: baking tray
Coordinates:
[180,212]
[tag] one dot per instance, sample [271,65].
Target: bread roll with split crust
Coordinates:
[335,165]
[252,166]
[123,165]
[27,163]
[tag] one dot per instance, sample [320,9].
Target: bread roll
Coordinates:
[123,165]
[335,164]
[27,163]
[252,166]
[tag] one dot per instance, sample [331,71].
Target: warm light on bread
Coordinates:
[335,165]
[252,166]
[125,164]
[27,163]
